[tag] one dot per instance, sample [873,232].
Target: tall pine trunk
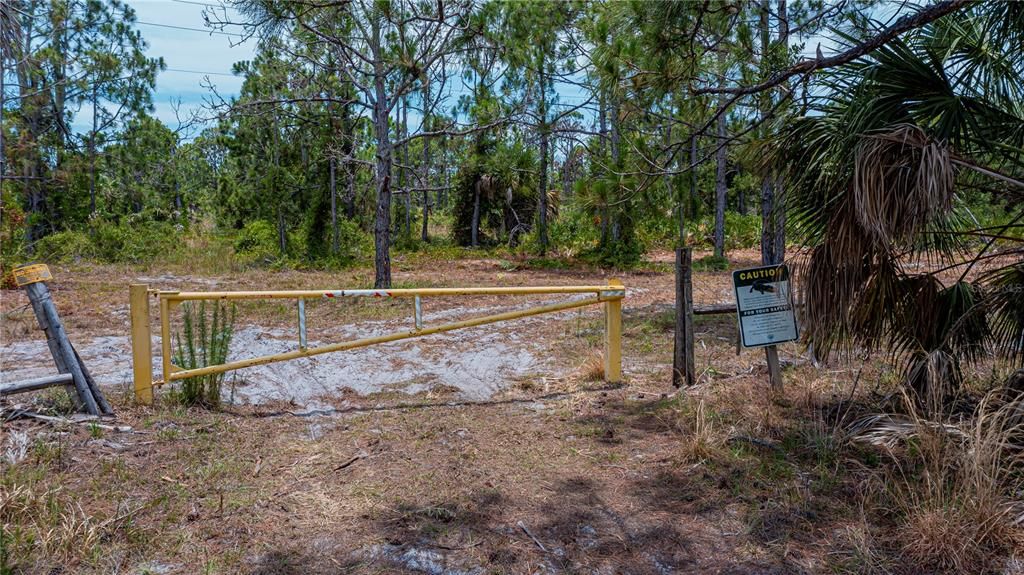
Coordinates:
[425,180]
[334,211]
[474,239]
[721,157]
[92,152]
[382,220]
[778,208]
[615,219]
[768,180]
[406,177]
[542,200]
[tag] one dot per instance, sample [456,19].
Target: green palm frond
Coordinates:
[875,171]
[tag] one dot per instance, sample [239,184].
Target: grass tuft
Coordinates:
[592,368]
[954,486]
[700,442]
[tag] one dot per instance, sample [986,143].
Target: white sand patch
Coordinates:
[477,361]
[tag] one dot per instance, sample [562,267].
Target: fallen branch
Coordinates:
[78,419]
[36,383]
[354,459]
[522,526]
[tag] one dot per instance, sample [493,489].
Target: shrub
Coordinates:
[66,246]
[740,231]
[619,255]
[573,232]
[257,242]
[127,241]
[200,344]
[354,244]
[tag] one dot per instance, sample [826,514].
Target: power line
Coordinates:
[200,72]
[200,3]
[187,28]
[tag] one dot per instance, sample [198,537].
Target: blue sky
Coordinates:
[190,57]
[194,54]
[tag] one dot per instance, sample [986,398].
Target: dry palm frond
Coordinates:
[832,278]
[901,180]
[934,378]
[1005,299]
[890,431]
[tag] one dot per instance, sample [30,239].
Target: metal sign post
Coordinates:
[764,308]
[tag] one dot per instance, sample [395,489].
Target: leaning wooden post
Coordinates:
[33,278]
[683,368]
[613,336]
[142,343]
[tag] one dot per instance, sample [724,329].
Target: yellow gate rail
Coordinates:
[142,354]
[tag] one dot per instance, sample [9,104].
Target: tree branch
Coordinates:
[904,24]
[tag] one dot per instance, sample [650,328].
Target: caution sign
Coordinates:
[764,305]
[31,274]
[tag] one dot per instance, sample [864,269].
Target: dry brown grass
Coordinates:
[954,485]
[17,324]
[44,524]
[592,368]
[701,439]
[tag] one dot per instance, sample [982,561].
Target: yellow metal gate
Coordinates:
[609,295]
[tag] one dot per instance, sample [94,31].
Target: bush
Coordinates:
[257,242]
[354,244]
[573,232]
[740,231]
[202,344]
[66,246]
[127,241]
[619,255]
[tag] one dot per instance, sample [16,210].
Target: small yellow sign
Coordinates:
[31,274]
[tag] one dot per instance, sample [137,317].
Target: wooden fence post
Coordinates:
[64,355]
[683,369]
[771,355]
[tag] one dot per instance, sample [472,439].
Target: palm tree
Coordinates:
[880,170]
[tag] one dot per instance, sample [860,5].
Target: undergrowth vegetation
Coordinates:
[203,247]
[954,486]
[204,340]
